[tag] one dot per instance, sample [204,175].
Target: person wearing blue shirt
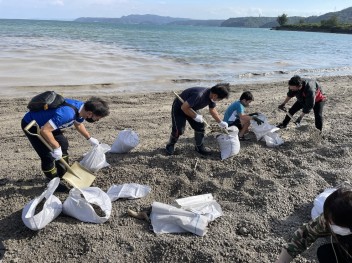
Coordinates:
[53,121]
[194,99]
[235,114]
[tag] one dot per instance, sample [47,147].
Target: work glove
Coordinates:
[282,107]
[223,125]
[298,121]
[257,120]
[56,153]
[198,118]
[93,141]
[254,113]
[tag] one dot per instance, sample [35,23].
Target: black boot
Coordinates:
[61,168]
[51,174]
[199,138]
[170,146]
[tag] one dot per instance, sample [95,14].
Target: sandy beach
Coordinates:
[265,193]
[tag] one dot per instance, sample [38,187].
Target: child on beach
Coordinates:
[235,116]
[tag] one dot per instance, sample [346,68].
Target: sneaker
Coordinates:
[242,138]
[281,126]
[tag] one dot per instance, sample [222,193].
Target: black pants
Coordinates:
[326,254]
[47,161]
[318,113]
[179,119]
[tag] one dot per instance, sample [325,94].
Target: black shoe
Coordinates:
[242,138]
[62,188]
[281,126]
[170,149]
[203,150]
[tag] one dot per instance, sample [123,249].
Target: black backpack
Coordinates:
[48,100]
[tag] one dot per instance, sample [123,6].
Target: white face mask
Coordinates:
[212,100]
[342,231]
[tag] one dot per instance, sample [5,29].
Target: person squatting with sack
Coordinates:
[335,222]
[309,96]
[196,98]
[235,116]
[53,121]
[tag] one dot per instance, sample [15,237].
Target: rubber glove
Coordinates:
[257,120]
[223,124]
[93,141]
[282,107]
[56,153]
[198,118]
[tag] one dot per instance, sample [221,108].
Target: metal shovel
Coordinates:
[76,175]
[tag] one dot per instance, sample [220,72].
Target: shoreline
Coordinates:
[106,89]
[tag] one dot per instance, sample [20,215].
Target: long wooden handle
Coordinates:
[180,99]
[34,123]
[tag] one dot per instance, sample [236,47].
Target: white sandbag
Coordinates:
[79,205]
[272,139]
[126,140]
[201,204]
[262,129]
[95,159]
[229,143]
[130,191]
[51,208]
[319,201]
[169,219]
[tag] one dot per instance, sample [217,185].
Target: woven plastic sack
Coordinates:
[79,205]
[272,139]
[319,201]
[51,208]
[262,129]
[95,159]
[229,143]
[125,141]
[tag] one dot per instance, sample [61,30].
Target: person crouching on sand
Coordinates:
[235,116]
[335,222]
[196,98]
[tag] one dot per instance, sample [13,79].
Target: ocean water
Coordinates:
[99,57]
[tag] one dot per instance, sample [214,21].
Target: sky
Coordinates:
[194,9]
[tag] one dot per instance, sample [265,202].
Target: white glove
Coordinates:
[198,118]
[93,141]
[223,124]
[56,154]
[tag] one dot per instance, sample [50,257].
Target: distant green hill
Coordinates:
[344,16]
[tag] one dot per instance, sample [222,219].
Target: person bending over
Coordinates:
[53,121]
[196,98]
[309,96]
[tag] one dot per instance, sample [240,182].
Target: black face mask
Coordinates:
[90,120]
